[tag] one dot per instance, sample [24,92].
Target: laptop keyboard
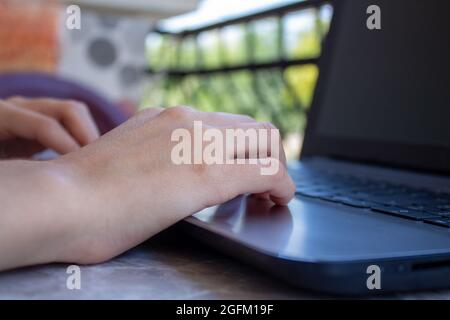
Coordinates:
[380,196]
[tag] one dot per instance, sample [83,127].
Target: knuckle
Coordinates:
[247,118]
[7,107]
[15,98]
[75,107]
[268,126]
[144,113]
[148,112]
[179,112]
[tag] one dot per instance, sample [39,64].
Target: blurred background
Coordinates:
[256,57]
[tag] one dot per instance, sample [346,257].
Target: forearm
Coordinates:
[93,204]
[73,210]
[37,203]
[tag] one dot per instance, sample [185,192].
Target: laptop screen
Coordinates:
[384,94]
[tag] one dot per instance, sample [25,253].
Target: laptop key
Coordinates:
[441,213]
[404,213]
[351,202]
[385,197]
[417,207]
[313,193]
[442,222]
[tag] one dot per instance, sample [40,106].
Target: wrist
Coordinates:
[38,222]
[63,221]
[91,207]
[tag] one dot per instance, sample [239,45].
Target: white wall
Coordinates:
[108,53]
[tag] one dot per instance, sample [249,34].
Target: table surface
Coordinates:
[169,266]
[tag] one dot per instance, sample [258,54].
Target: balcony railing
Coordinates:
[263,64]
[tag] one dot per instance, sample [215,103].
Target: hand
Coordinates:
[28,126]
[124,188]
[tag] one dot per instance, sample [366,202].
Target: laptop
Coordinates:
[372,208]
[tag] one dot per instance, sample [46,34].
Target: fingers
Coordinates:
[254,140]
[147,114]
[73,115]
[30,125]
[221,119]
[239,179]
[262,170]
[183,114]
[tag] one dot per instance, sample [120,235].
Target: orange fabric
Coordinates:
[29,35]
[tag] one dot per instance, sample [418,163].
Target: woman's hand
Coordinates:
[129,188]
[28,126]
[96,202]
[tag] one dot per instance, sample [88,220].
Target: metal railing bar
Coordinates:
[282,10]
[242,67]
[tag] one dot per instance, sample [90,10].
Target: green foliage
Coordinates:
[276,95]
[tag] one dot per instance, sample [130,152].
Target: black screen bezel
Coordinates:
[417,157]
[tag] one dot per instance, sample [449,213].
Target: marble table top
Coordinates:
[169,266]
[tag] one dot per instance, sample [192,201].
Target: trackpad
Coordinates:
[318,230]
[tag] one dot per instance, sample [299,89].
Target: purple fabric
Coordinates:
[33,85]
